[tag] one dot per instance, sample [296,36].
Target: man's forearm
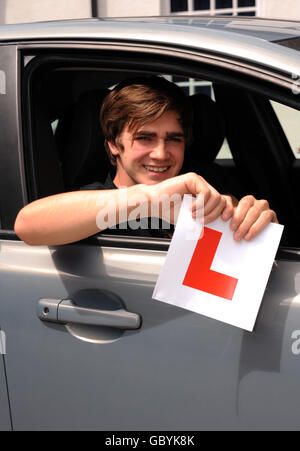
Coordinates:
[69,217]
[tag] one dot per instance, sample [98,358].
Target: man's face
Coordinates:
[154,154]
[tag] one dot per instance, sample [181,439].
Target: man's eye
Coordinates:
[175,139]
[143,138]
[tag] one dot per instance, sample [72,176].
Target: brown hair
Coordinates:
[137,101]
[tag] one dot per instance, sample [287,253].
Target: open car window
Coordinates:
[238,144]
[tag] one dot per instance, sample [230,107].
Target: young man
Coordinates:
[147,125]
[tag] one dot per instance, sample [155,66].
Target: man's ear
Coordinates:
[113,148]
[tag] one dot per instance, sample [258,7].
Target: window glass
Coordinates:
[191,86]
[229,7]
[204,89]
[54,125]
[242,3]
[289,119]
[223,4]
[201,4]
[247,13]
[225,153]
[178,5]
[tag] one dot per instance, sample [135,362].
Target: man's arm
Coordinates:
[69,217]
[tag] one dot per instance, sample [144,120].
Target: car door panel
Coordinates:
[179,371]
[5,424]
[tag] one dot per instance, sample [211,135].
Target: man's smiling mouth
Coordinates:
[157,168]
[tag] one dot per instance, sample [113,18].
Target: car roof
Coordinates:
[271,30]
[247,38]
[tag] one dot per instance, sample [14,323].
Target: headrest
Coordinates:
[81,142]
[208,130]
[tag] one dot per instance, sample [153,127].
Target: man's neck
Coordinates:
[123,179]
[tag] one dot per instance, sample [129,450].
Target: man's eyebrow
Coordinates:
[153,134]
[145,133]
[175,134]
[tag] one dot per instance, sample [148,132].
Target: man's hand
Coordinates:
[191,183]
[250,216]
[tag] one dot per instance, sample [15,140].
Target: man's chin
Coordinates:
[157,177]
[154,181]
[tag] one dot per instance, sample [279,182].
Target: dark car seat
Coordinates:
[209,132]
[81,142]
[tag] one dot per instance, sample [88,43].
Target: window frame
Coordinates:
[12,180]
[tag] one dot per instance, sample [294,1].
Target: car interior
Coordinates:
[64,143]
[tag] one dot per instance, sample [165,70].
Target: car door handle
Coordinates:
[65,311]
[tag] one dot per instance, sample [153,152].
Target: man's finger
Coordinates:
[228,210]
[215,213]
[250,218]
[241,211]
[265,218]
[216,201]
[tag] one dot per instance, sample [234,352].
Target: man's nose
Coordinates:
[159,151]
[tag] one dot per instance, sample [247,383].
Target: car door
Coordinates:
[5,423]
[108,357]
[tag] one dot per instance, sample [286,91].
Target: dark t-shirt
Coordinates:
[147,227]
[213,174]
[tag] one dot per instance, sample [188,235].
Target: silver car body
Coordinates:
[179,370]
